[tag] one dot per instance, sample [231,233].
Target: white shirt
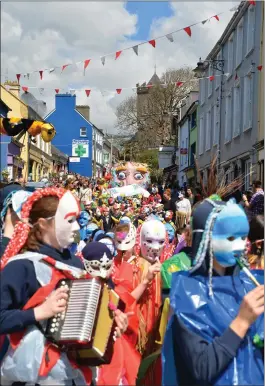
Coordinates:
[183,206]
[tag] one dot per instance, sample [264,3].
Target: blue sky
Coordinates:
[147,11]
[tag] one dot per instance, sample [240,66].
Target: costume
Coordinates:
[199,347]
[30,357]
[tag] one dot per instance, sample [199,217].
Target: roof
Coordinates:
[13,95]
[154,80]
[58,152]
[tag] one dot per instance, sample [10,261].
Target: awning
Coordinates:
[170,169]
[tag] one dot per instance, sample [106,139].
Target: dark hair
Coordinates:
[44,208]
[257,184]
[256,233]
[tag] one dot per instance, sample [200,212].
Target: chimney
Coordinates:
[84,110]
[14,87]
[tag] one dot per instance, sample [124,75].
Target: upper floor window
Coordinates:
[202,91]
[230,58]
[236,111]
[208,130]
[210,82]
[201,135]
[228,117]
[239,43]
[218,75]
[250,28]
[216,120]
[248,102]
[194,119]
[83,132]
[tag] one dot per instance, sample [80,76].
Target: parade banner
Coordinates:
[128,191]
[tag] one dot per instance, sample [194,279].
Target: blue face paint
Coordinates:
[170,232]
[229,234]
[83,219]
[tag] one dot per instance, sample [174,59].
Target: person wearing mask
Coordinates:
[38,255]
[215,333]
[256,204]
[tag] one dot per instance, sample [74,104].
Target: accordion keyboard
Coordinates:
[77,322]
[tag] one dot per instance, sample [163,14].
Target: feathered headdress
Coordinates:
[23,227]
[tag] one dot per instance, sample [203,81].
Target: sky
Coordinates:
[47,34]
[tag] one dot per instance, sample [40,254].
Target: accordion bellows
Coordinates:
[86,328]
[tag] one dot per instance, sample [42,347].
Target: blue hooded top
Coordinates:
[199,347]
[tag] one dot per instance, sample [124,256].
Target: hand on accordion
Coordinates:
[53,305]
[121,320]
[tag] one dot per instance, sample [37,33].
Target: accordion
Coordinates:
[86,329]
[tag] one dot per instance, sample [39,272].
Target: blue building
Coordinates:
[74,134]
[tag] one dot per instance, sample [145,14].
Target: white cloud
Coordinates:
[42,35]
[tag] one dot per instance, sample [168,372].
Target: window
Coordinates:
[228,118]
[236,111]
[201,135]
[239,43]
[218,73]
[216,120]
[181,155]
[202,91]
[194,119]
[83,132]
[208,130]
[192,153]
[186,161]
[250,28]
[230,59]
[247,104]
[210,83]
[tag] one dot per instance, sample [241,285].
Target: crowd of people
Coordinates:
[188,271]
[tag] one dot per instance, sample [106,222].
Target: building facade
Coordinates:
[74,134]
[59,161]
[228,103]
[98,143]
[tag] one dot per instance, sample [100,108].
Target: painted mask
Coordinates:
[66,223]
[84,218]
[98,213]
[98,260]
[229,236]
[126,240]
[170,231]
[152,239]
[129,173]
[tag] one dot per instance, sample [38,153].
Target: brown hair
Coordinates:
[44,208]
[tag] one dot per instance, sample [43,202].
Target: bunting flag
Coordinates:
[57,90]
[88,92]
[118,90]
[170,37]
[41,74]
[188,30]
[216,17]
[86,63]
[72,92]
[135,48]
[18,77]
[259,68]
[117,54]
[252,2]
[25,89]
[211,78]
[64,67]
[152,42]
[204,21]
[103,60]
[179,84]
[51,70]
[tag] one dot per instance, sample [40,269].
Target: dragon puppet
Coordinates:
[19,126]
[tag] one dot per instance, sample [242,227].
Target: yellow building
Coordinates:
[36,155]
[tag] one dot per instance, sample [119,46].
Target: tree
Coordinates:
[148,114]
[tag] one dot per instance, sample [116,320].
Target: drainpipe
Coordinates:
[220,118]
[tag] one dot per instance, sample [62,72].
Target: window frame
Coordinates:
[229,96]
[201,135]
[240,27]
[208,129]
[230,58]
[236,111]
[80,132]
[251,11]
[248,126]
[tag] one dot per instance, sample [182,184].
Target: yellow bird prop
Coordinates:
[16,126]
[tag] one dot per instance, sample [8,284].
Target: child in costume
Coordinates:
[217,310]
[39,257]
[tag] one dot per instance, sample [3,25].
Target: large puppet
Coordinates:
[20,126]
[203,344]
[129,173]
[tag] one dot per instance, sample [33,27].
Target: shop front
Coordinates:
[15,163]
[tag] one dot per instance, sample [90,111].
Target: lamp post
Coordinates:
[217,65]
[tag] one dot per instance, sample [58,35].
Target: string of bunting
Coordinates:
[119,90]
[135,48]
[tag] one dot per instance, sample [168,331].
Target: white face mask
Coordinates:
[153,236]
[66,220]
[99,268]
[108,244]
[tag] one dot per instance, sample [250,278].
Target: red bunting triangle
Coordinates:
[41,73]
[64,66]
[117,54]
[118,90]
[24,88]
[260,68]
[88,92]
[86,63]
[211,78]
[216,17]
[152,42]
[188,30]
[252,2]
[57,90]
[179,84]
[18,77]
